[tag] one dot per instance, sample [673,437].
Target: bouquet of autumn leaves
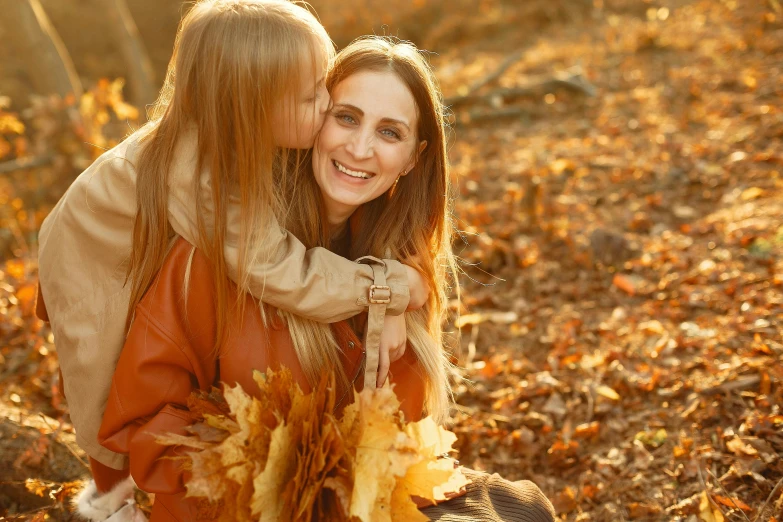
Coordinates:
[281,455]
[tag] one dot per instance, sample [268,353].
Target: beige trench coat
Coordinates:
[84,247]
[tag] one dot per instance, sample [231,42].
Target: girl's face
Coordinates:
[368,140]
[297,120]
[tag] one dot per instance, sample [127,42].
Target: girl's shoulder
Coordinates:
[115,166]
[128,149]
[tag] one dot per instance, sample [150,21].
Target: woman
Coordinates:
[382,149]
[378,186]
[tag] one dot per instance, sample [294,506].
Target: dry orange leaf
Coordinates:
[643,510]
[624,283]
[565,501]
[733,503]
[587,430]
[708,512]
[589,491]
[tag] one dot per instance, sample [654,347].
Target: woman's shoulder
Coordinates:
[187,261]
[185,275]
[180,300]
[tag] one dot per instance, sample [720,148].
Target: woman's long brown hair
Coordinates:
[411,222]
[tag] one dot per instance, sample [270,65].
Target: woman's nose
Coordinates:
[360,146]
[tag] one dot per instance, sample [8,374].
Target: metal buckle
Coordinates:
[377,300]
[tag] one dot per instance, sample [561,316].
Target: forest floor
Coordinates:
[621,209]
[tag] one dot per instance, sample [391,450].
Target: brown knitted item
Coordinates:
[491,498]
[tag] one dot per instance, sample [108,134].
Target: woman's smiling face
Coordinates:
[368,140]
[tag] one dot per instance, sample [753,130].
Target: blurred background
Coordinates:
[619,170]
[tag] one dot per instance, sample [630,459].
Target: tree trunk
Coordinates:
[141,76]
[51,67]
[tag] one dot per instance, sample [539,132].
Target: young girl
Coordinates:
[245,84]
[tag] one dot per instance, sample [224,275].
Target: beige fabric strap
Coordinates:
[379,297]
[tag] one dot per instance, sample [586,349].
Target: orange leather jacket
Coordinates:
[169,352]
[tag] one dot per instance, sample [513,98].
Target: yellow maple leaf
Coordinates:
[425,479]
[221,422]
[403,508]
[381,455]
[280,467]
[432,440]
[431,478]
[208,477]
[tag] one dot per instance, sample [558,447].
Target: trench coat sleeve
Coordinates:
[154,377]
[316,284]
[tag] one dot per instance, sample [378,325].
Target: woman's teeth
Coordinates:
[352,173]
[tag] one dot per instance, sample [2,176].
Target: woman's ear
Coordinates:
[422,146]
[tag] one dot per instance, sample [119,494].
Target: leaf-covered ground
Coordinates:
[622,215]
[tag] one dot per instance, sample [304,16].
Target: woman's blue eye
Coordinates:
[347,118]
[391,133]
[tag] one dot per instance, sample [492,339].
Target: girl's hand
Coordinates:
[419,288]
[394,340]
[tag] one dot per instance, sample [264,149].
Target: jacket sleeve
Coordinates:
[148,397]
[316,284]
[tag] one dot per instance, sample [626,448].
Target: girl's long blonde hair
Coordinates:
[411,222]
[234,61]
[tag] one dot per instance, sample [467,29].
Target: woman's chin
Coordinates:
[349,191]
[348,204]
[340,205]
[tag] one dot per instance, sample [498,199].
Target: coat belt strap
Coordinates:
[379,297]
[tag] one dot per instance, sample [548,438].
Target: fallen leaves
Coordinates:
[676,154]
[751,193]
[280,454]
[587,431]
[741,448]
[707,511]
[732,503]
[628,284]
[34,455]
[609,393]
[56,491]
[652,438]
[478,318]
[565,501]
[643,510]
